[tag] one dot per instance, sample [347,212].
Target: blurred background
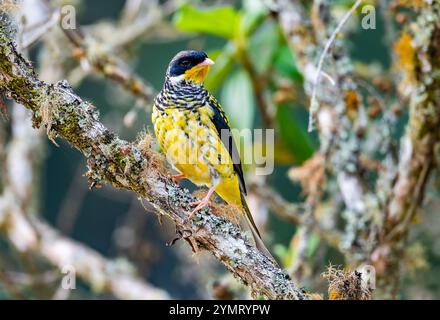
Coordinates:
[259,82]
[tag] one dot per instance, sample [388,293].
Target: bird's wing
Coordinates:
[221,123]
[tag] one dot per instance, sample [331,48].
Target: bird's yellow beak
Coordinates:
[198,72]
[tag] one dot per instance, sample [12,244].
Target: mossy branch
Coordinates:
[106,63]
[126,165]
[419,56]
[378,217]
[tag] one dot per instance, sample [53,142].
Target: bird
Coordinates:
[194,133]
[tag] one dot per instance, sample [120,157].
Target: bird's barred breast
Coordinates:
[191,143]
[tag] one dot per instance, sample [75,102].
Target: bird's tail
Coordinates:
[250,224]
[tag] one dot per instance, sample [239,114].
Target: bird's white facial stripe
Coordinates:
[177,79]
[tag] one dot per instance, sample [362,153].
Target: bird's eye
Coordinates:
[184,63]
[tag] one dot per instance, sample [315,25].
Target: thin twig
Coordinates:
[313,101]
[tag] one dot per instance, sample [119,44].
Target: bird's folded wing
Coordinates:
[221,123]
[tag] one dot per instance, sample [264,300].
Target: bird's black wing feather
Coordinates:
[224,131]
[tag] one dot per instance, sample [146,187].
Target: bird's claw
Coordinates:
[200,204]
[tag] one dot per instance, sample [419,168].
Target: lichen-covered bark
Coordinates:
[107,64]
[125,165]
[338,133]
[422,132]
[379,216]
[419,52]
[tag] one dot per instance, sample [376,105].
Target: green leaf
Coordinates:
[252,14]
[281,251]
[224,61]
[255,6]
[219,21]
[347,4]
[238,100]
[294,136]
[285,63]
[263,46]
[312,245]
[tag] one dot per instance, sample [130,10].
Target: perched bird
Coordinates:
[193,131]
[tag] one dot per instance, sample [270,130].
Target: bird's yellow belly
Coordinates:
[192,146]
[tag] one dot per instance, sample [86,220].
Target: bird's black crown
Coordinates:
[184,61]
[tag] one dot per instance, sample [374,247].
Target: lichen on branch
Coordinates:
[126,165]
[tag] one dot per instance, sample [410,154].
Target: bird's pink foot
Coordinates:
[201,203]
